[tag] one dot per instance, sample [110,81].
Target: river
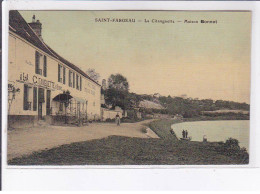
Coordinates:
[215,130]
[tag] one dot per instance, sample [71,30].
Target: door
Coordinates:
[41,100]
[40,110]
[48,102]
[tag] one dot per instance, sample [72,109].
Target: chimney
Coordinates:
[104,84]
[36,26]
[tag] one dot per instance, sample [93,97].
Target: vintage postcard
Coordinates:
[128,88]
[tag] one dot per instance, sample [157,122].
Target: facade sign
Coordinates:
[38,81]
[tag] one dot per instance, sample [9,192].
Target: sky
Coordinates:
[205,61]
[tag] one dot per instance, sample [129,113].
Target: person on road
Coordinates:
[117,119]
[186,134]
[183,133]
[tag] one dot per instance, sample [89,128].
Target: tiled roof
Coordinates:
[19,26]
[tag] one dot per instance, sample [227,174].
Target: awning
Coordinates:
[62,97]
[79,100]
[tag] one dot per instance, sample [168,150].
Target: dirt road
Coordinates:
[25,141]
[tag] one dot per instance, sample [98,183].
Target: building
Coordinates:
[157,95]
[42,85]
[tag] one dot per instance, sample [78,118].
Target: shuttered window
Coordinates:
[59,73]
[70,83]
[45,66]
[64,75]
[77,82]
[25,97]
[34,98]
[80,83]
[37,62]
[41,95]
[48,103]
[73,79]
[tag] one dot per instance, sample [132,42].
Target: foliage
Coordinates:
[118,82]
[130,120]
[144,130]
[232,143]
[189,107]
[93,74]
[117,93]
[232,149]
[110,120]
[131,114]
[12,91]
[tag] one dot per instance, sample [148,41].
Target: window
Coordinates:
[26,103]
[80,83]
[64,75]
[70,80]
[73,79]
[41,97]
[45,66]
[77,81]
[48,102]
[61,107]
[38,63]
[59,73]
[35,99]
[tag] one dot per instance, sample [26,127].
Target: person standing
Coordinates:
[117,119]
[183,134]
[186,134]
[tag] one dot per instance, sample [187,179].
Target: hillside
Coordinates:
[150,105]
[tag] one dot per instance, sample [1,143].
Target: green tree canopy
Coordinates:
[118,82]
[117,93]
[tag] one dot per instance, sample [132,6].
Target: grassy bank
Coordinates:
[162,128]
[116,150]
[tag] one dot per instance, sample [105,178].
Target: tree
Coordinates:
[117,93]
[93,74]
[12,91]
[118,82]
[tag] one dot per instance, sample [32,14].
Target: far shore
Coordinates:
[218,118]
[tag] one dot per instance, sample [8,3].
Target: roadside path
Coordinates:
[26,141]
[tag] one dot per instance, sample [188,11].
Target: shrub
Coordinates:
[130,120]
[145,117]
[110,120]
[232,143]
[144,130]
[131,114]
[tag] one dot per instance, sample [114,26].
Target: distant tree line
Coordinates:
[117,94]
[193,107]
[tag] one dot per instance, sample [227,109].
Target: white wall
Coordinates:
[110,114]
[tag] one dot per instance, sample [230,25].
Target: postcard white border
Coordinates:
[60,177]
